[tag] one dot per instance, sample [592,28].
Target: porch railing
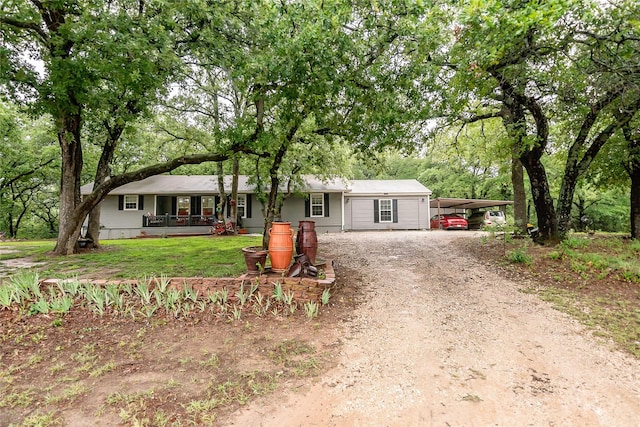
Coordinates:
[178,220]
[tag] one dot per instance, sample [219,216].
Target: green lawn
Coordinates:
[135,258]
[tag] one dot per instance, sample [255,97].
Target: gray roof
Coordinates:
[391,187]
[206,184]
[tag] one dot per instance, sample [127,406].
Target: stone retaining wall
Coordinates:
[304,288]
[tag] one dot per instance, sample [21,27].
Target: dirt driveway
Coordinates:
[442,340]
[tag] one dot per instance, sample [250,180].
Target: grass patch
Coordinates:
[519,256]
[593,278]
[610,317]
[131,258]
[67,395]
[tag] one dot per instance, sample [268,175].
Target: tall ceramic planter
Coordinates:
[280,246]
[307,240]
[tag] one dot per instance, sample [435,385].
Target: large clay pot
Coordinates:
[255,257]
[280,246]
[307,240]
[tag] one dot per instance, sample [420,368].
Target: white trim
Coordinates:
[311,205]
[244,206]
[212,207]
[124,202]
[380,210]
[178,205]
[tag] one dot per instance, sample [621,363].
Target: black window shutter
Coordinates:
[229,207]
[120,202]
[216,202]
[376,211]
[326,204]
[395,210]
[247,207]
[174,205]
[140,202]
[307,206]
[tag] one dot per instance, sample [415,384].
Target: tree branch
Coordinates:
[22,25]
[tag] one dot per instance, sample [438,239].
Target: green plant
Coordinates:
[236,313]
[171,299]
[15,399]
[519,256]
[62,304]
[278,294]
[6,296]
[289,302]
[112,296]
[26,286]
[212,362]
[143,291]
[242,295]
[214,297]
[42,420]
[326,294]
[101,370]
[148,311]
[555,255]
[224,296]
[162,284]
[39,307]
[311,309]
[71,287]
[189,293]
[97,298]
[67,395]
[574,243]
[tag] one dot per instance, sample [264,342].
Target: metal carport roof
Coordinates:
[453,203]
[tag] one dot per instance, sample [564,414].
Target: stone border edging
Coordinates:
[304,288]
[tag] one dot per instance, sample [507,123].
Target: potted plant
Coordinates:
[255,257]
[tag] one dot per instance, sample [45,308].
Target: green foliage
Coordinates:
[519,256]
[27,173]
[326,294]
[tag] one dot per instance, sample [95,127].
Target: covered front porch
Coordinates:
[168,220]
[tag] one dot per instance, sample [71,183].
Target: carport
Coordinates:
[451,205]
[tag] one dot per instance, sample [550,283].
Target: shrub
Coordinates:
[519,256]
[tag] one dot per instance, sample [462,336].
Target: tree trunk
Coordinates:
[547,220]
[514,121]
[519,195]
[270,211]
[221,191]
[234,190]
[634,173]
[275,181]
[635,200]
[103,171]
[69,226]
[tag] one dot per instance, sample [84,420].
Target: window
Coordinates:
[386,210]
[317,204]
[184,205]
[130,202]
[208,205]
[242,206]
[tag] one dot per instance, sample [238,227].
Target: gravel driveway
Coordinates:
[441,340]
